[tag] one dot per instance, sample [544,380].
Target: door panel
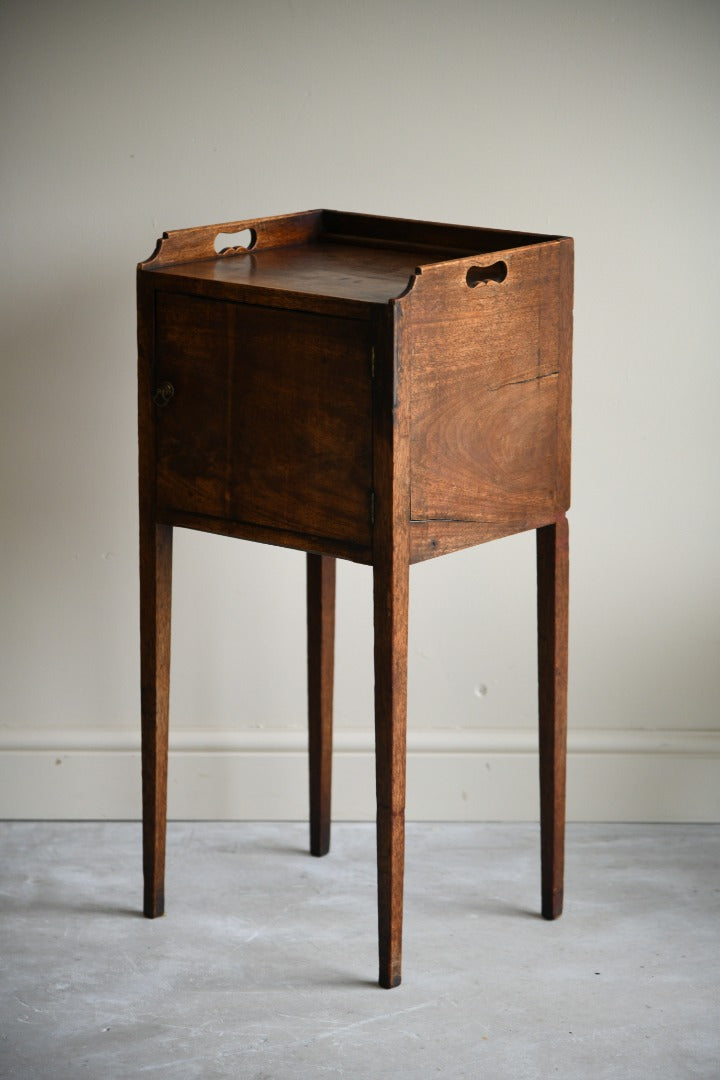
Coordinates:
[193,353]
[302,417]
[270,422]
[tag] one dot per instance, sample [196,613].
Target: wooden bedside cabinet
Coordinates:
[363,388]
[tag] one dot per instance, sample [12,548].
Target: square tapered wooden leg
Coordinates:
[155,596]
[552,586]
[391,583]
[321,656]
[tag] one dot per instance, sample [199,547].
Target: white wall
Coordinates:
[120,120]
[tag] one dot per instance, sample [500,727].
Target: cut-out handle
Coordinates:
[225,243]
[482,275]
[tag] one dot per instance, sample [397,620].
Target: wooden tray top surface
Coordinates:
[351,257]
[343,271]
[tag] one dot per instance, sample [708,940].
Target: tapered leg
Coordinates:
[391,582]
[155,593]
[552,587]
[321,657]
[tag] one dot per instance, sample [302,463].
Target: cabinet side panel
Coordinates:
[489,398]
[564,346]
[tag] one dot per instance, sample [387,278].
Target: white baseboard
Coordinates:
[453,775]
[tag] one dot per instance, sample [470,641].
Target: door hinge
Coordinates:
[372,361]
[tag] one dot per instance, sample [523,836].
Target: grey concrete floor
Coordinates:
[264,966]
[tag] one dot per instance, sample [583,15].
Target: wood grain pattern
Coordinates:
[208,279]
[265,534]
[321,658]
[485,371]
[552,606]
[428,539]
[391,564]
[155,606]
[302,423]
[271,419]
[195,354]
[321,260]
[329,270]
[155,549]
[187,245]
[439,239]
[564,348]
[311,226]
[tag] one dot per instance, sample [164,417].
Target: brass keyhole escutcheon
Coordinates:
[162,395]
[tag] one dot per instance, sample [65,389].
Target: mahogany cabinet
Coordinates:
[367,388]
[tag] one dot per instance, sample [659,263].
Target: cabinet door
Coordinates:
[302,423]
[193,352]
[270,422]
